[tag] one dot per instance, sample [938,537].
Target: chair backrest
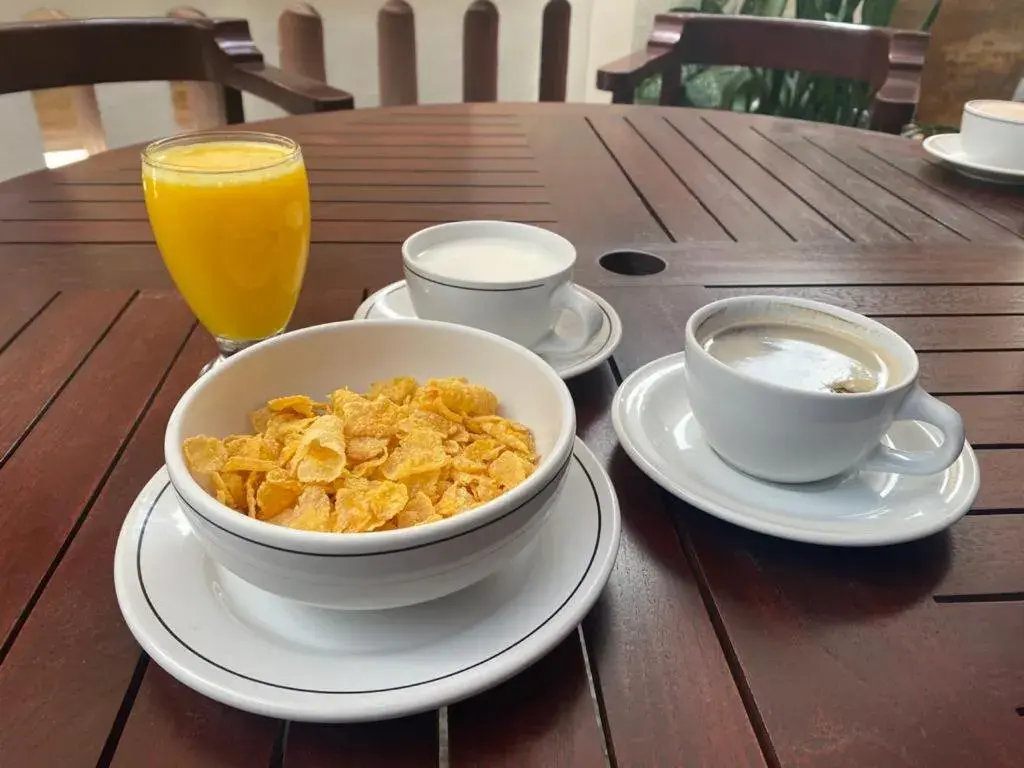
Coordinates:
[51,54]
[197,105]
[300,41]
[849,51]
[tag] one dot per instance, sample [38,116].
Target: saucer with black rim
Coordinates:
[566,364]
[262,653]
[655,425]
[947,148]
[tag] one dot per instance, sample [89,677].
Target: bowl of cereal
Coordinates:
[370,465]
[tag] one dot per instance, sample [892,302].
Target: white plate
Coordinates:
[652,417]
[567,365]
[947,148]
[264,654]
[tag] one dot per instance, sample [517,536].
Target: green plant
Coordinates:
[783,93]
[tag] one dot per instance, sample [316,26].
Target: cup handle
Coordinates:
[590,315]
[383,305]
[921,406]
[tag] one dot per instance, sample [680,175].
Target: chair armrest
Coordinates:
[622,76]
[239,65]
[294,93]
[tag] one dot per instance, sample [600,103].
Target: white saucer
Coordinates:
[652,417]
[567,365]
[947,148]
[264,654]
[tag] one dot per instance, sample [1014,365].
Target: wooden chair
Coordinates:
[890,61]
[50,54]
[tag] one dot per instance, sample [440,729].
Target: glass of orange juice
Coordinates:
[230,213]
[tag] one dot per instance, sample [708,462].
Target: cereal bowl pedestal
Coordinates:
[382,569]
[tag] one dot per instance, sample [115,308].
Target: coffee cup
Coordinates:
[511,279]
[992,133]
[791,391]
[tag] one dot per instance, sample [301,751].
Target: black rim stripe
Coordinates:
[473,287]
[558,473]
[506,649]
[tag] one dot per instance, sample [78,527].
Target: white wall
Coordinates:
[601,30]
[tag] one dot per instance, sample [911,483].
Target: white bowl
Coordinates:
[388,568]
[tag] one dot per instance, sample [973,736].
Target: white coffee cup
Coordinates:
[789,435]
[992,133]
[518,289]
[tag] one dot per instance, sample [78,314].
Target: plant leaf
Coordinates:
[763,7]
[932,15]
[809,9]
[877,13]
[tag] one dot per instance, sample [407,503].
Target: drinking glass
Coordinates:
[230,213]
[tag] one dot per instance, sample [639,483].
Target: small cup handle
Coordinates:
[383,305]
[921,406]
[567,297]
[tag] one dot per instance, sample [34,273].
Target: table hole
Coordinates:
[632,263]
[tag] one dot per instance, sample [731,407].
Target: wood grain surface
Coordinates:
[711,645]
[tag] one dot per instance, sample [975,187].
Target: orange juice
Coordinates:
[231,219]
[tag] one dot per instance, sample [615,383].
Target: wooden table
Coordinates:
[711,646]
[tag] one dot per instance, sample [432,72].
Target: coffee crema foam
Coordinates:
[489,260]
[800,357]
[1008,110]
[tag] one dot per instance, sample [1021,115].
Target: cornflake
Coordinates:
[399,455]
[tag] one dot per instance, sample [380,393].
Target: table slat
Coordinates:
[317,141]
[86,231]
[854,221]
[950,373]
[899,213]
[74,657]
[952,333]
[976,196]
[678,210]
[170,725]
[732,208]
[893,300]
[1000,480]
[52,347]
[991,419]
[397,194]
[426,212]
[985,557]
[573,159]
[939,206]
[747,265]
[667,691]
[20,308]
[410,742]
[62,462]
[800,220]
[548,718]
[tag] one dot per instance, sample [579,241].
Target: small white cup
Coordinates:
[992,133]
[788,435]
[523,311]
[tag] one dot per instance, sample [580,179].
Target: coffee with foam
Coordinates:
[1005,110]
[800,357]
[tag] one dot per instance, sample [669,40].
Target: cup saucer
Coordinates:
[566,364]
[947,148]
[265,654]
[655,425]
